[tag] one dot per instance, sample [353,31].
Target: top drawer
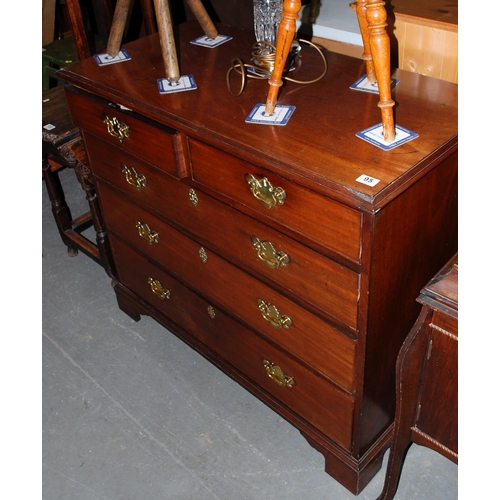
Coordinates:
[153,143]
[321,219]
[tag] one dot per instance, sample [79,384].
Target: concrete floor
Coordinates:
[130,412]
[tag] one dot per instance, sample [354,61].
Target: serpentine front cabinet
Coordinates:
[258,245]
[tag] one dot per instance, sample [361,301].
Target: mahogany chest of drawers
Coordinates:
[257,245]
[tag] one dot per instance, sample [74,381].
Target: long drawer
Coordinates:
[302,333]
[323,283]
[326,221]
[239,346]
[152,142]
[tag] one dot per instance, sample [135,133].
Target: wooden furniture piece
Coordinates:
[62,147]
[372,18]
[288,256]
[427,37]
[427,378]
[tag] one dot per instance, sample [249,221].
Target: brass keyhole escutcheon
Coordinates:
[271,314]
[146,233]
[116,129]
[193,197]
[158,290]
[264,191]
[203,255]
[133,178]
[277,374]
[267,253]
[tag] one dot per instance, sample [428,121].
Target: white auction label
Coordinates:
[369,181]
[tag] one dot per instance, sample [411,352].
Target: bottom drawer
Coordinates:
[306,394]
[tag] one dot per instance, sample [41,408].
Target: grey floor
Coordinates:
[131,412]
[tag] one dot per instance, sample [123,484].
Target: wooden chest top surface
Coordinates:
[318,145]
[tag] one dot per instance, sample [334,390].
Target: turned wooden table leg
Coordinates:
[117,27]
[376,16]
[360,9]
[103,254]
[60,209]
[286,34]
[203,18]
[167,40]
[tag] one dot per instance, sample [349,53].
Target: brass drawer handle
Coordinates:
[158,289]
[265,192]
[271,314]
[276,373]
[145,232]
[116,129]
[267,253]
[133,178]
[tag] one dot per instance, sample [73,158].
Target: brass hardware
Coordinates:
[265,192]
[158,289]
[145,232]
[429,350]
[276,373]
[133,178]
[268,254]
[271,314]
[193,197]
[211,312]
[116,129]
[203,255]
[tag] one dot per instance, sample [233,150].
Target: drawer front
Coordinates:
[303,334]
[241,239]
[321,219]
[311,397]
[154,144]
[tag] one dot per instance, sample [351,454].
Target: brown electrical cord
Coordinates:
[263,67]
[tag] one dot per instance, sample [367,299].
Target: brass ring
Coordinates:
[238,66]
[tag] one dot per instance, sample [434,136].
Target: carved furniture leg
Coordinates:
[360,8]
[60,209]
[376,16]
[408,370]
[103,254]
[286,34]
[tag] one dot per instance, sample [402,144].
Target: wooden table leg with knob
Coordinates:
[360,8]
[286,34]
[376,17]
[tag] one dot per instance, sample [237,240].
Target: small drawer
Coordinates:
[303,334]
[147,184]
[321,219]
[286,381]
[154,143]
